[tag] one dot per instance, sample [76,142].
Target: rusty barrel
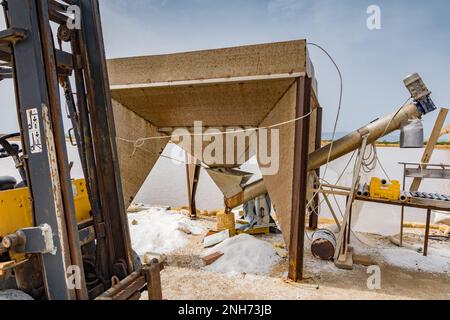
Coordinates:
[323,244]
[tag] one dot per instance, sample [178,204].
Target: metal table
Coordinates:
[419,203]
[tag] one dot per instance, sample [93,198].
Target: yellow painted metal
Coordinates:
[390,191]
[255,231]
[16,210]
[81,200]
[226,221]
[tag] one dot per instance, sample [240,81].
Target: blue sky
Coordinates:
[415,37]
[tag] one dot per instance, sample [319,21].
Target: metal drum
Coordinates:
[323,244]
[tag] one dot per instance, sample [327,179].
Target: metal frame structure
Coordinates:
[420,171]
[301,153]
[315,212]
[343,240]
[193,169]
[38,68]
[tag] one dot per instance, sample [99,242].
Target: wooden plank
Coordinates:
[153,273]
[345,260]
[210,259]
[434,138]
[299,188]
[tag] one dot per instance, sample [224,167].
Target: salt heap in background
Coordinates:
[243,254]
[438,260]
[160,231]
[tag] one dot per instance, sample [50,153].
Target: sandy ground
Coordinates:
[183,277]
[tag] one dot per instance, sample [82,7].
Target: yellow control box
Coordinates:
[381,189]
[16,207]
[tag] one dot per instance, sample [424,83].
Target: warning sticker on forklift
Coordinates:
[34,130]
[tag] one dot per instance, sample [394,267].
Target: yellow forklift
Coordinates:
[60,238]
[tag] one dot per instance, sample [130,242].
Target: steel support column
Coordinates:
[297,236]
[104,136]
[314,217]
[193,175]
[103,266]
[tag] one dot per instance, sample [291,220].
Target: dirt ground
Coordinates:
[183,277]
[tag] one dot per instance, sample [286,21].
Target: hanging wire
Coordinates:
[338,114]
[139,143]
[315,210]
[336,122]
[369,162]
[395,114]
[382,167]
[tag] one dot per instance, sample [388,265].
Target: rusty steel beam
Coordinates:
[103,268]
[153,275]
[57,12]
[130,288]
[314,217]
[301,146]
[121,286]
[193,175]
[104,139]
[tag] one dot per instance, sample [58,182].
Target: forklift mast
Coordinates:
[34,58]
